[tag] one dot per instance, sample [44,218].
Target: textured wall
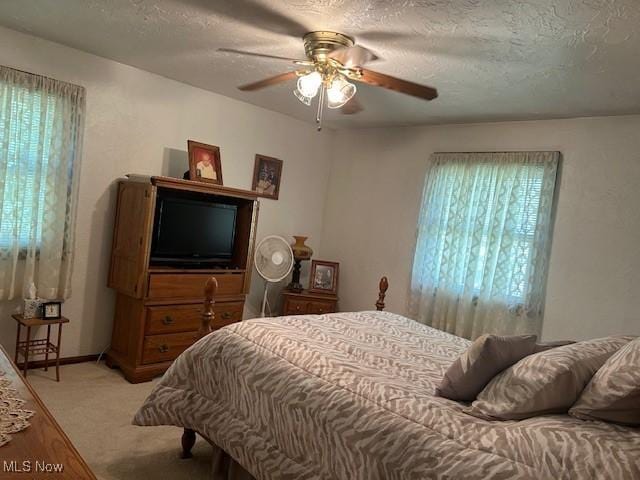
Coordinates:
[374,195]
[140,122]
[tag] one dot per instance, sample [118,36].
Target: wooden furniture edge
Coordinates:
[142,373]
[45,411]
[188,439]
[308,293]
[160,181]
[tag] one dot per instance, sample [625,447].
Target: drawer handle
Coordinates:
[226,315]
[164,348]
[167,320]
[298,307]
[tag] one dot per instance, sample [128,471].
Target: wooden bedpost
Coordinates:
[189,436]
[384,284]
[207,313]
[188,441]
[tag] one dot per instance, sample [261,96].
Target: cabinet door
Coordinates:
[131,238]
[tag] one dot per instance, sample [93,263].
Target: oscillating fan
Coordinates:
[273,260]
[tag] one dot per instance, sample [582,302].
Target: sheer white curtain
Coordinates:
[41,122]
[483,244]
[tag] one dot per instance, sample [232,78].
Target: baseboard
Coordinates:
[63,361]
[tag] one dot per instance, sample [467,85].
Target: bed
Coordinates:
[350,396]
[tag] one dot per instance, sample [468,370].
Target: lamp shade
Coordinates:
[300,250]
[309,84]
[340,92]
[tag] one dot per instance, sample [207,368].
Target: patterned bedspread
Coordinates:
[349,396]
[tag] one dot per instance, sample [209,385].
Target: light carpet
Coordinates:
[94,405]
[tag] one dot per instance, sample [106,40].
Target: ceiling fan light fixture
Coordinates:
[302,98]
[340,92]
[309,84]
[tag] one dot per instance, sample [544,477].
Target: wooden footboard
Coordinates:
[189,435]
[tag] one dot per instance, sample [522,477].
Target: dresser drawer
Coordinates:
[316,307]
[226,314]
[163,348]
[191,285]
[184,318]
[295,307]
[173,318]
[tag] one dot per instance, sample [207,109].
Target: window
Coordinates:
[484,230]
[40,131]
[19,212]
[520,230]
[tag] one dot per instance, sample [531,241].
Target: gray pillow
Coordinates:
[487,356]
[546,382]
[613,394]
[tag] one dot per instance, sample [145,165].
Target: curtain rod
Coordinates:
[41,76]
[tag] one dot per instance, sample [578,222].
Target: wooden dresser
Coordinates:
[304,303]
[158,309]
[43,441]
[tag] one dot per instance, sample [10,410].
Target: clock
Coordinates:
[51,310]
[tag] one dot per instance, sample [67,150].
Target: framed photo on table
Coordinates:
[324,277]
[204,162]
[267,173]
[51,310]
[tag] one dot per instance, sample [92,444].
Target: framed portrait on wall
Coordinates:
[324,277]
[204,162]
[267,173]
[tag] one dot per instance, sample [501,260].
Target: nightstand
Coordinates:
[304,303]
[42,346]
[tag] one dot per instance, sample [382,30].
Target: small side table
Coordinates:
[38,347]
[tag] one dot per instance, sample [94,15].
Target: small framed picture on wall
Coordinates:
[204,162]
[267,173]
[324,277]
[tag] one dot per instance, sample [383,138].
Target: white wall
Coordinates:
[139,122]
[594,279]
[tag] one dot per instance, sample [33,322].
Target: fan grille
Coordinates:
[273,258]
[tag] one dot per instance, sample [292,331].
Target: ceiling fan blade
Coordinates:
[384,35]
[392,83]
[269,17]
[255,14]
[354,56]
[352,107]
[254,54]
[267,82]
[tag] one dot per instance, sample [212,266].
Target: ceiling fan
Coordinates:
[332,60]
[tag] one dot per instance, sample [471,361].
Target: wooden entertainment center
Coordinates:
[158,308]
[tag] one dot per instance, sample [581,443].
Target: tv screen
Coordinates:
[193,230]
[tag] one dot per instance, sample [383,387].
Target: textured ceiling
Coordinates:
[489,59]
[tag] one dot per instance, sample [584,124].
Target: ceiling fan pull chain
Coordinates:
[320,106]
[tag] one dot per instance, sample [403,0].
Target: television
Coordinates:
[192,230]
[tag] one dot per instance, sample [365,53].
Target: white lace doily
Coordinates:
[13,418]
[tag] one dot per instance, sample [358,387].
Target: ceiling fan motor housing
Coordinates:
[317,45]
